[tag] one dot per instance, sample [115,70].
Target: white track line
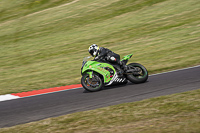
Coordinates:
[8,97]
[175,70]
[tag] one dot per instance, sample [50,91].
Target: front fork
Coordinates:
[90,74]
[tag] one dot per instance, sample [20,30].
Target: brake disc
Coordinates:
[92,83]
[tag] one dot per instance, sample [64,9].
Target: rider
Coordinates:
[104,53]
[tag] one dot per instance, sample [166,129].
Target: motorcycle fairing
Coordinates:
[93,66]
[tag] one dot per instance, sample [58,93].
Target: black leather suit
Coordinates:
[108,55]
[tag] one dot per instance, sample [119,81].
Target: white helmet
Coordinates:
[93,50]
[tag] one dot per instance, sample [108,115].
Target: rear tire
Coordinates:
[92,85]
[142,77]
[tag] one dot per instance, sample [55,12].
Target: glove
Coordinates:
[96,58]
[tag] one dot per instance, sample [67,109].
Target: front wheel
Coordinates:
[92,84]
[139,75]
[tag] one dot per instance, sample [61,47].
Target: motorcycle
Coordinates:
[100,73]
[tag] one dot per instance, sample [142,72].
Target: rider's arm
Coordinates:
[102,53]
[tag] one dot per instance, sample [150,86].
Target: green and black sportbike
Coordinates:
[97,74]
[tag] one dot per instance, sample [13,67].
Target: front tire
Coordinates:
[92,84]
[141,76]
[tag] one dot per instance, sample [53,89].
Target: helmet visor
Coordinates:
[91,52]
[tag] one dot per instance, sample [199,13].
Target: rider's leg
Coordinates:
[115,58]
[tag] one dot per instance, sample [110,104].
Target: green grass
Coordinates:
[12,10]
[43,42]
[177,113]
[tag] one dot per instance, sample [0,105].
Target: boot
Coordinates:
[123,66]
[119,71]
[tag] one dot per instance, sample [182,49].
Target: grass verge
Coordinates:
[173,113]
[45,49]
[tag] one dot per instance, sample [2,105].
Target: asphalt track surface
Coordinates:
[24,110]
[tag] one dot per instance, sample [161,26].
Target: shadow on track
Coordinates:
[113,87]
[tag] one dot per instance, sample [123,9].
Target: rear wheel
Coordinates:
[139,75]
[92,84]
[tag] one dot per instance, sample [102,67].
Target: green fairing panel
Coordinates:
[98,67]
[127,57]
